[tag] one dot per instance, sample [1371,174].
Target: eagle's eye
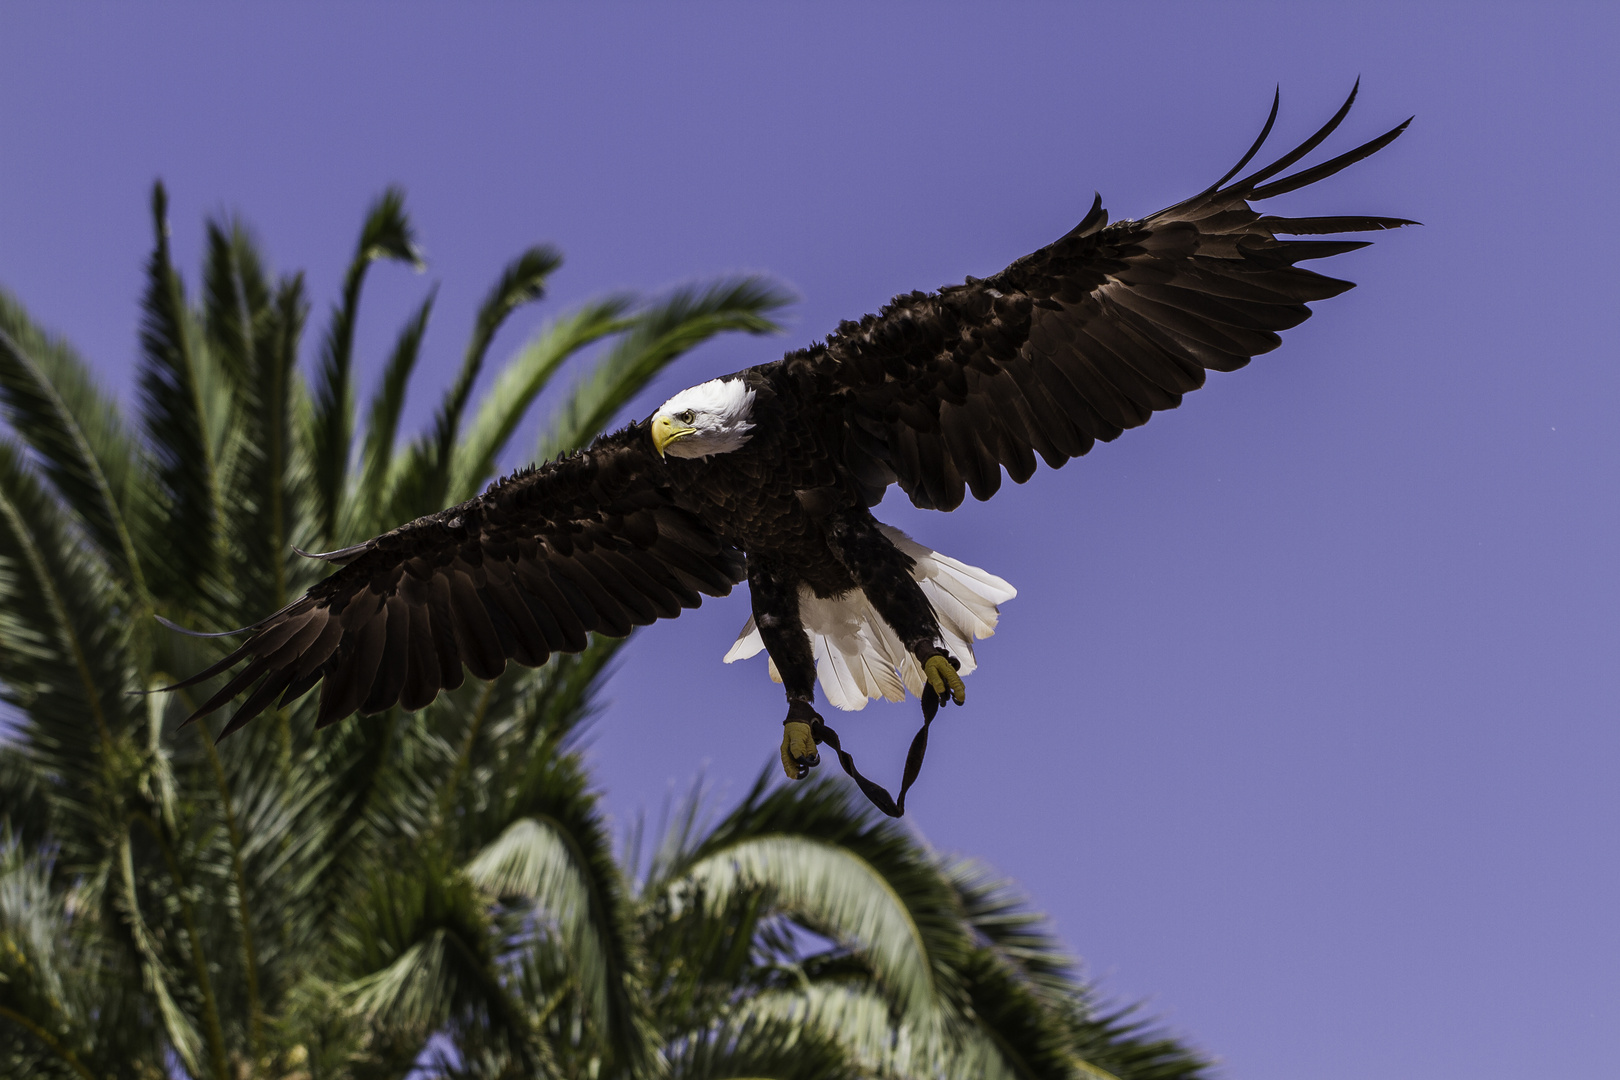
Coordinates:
[685,417]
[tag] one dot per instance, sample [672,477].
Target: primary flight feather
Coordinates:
[768,476]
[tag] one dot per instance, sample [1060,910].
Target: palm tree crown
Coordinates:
[431,891]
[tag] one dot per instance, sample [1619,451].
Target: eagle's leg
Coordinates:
[884,574]
[774,590]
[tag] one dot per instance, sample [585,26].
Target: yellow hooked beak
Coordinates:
[666,430]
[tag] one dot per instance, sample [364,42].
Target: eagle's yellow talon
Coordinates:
[798,750]
[940,674]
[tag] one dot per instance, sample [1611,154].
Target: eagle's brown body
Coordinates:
[772,498]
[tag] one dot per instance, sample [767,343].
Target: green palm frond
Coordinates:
[871,881]
[359,785]
[253,327]
[140,924]
[862,1021]
[25,798]
[502,749]
[1000,915]
[421,953]
[53,1021]
[1131,1048]
[557,858]
[756,1046]
[406,939]
[184,399]
[522,281]
[538,861]
[236,295]
[1015,1027]
[74,432]
[365,517]
[386,234]
[982,988]
[423,482]
[661,332]
[521,382]
[833,890]
[278,461]
[61,661]
[1022,957]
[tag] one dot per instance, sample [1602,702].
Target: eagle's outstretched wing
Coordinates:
[590,542]
[1080,340]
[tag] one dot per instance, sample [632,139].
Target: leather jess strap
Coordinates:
[876,793]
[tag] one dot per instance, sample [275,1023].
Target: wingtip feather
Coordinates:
[1329,167]
[1265,132]
[341,556]
[1305,147]
[177,628]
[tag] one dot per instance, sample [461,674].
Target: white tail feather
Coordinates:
[859,656]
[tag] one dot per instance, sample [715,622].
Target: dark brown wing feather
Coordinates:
[1079,341]
[589,543]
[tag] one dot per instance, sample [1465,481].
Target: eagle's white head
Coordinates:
[709,418]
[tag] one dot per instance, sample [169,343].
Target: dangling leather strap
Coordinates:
[879,795]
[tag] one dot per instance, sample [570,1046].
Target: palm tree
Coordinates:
[434,891]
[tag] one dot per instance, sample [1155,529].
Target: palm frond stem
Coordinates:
[177,406]
[52,1043]
[199,960]
[522,281]
[177,1025]
[86,459]
[522,381]
[464,758]
[50,587]
[250,960]
[289,306]
[387,233]
[382,426]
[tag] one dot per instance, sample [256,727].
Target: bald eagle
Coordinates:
[769,475]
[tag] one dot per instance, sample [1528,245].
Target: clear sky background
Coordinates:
[1303,726]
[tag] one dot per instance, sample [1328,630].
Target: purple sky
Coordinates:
[1304,725]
